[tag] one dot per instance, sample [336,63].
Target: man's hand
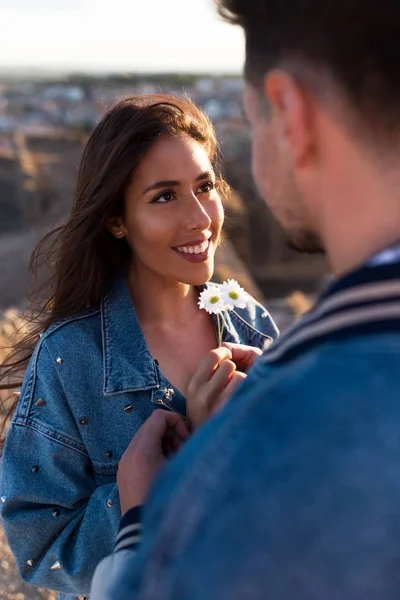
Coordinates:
[159,437]
[243,356]
[211,386]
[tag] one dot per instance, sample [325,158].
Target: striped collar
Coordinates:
[363,302]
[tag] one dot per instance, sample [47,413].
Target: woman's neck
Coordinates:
[159,301]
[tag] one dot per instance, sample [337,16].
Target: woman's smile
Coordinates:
[196,251]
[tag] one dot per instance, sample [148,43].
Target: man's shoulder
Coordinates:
[330,367]
[325,394]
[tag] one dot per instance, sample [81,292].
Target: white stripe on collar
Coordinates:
[386,257]
[335,322]
[352,307]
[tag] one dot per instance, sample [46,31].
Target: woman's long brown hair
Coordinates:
[82,256]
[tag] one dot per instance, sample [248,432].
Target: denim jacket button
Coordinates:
[60,360]
[83,421]
[109,454]
[35,469]
[109,503]
[128,408]
[29,563]
[56,513]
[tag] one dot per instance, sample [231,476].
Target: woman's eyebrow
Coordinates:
[205,175]
[173,182]
[161,184]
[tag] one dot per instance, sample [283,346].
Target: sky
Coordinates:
[118,35]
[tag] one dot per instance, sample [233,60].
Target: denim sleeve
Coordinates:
[58,521]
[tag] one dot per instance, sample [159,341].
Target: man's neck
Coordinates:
[362,212]
[349,258]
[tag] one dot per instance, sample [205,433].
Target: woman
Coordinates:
[120,332]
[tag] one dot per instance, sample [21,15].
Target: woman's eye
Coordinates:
[163,198]
[207,187]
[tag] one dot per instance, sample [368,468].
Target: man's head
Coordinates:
[322,96]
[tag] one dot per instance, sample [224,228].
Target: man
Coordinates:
[293,490]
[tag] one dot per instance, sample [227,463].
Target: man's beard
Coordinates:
[305,242]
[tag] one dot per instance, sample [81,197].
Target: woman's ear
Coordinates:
[116,227]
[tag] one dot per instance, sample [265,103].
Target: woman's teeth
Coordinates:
[194,249]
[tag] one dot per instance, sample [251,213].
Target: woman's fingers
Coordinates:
[218,382]
[207,367]
[243,356]
[237,378]
[210,380]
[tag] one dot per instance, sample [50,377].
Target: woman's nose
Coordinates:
[197,216]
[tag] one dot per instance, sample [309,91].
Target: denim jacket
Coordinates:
[293,490]
[91,383]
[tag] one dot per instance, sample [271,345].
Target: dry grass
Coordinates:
[12,326]
[11,585]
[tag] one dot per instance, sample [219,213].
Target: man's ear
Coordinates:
[116,227]
[292,113]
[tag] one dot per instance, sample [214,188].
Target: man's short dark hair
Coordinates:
[354,42]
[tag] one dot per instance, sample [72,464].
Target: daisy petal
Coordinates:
[211,300]
[233,295]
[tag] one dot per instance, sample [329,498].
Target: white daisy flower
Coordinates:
[211,300]
[233,295]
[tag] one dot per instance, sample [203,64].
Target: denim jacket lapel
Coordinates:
[128,364]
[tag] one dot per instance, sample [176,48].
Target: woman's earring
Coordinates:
[120,234]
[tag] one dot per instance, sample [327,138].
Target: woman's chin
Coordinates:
[200,275]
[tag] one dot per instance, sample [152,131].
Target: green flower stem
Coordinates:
[219,331]
[221,326]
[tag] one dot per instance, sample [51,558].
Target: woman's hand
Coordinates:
[159,437]
[211,386]
[243,356]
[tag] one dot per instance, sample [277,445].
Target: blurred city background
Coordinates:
[62,64]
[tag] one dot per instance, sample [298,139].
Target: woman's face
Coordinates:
[173,212]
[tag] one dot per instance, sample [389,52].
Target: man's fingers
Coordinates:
[179,427]
[171,445]
[207,367]
[173,441]
[160,421]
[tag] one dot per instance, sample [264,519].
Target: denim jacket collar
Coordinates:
[128,363]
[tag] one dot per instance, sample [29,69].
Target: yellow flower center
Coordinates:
[214,299]
[234,295]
